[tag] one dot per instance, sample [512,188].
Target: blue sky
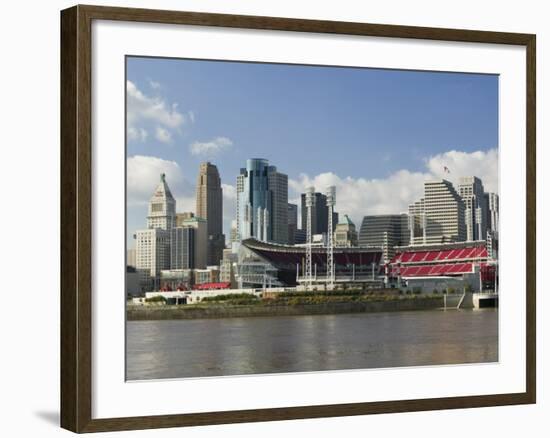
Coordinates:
[360,128]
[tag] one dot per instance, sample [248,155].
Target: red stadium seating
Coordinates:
[431,256]
[435,270]
[444,262]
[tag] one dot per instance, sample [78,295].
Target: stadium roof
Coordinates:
[283,256]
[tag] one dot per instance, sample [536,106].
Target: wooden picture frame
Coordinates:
[76,217]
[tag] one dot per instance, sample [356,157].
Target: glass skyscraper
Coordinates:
[262,202]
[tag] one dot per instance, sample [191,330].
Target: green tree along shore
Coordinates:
[297,298]
[286,304]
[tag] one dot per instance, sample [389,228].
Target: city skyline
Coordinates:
[172,129]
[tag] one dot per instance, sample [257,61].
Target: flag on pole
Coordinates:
[446,169]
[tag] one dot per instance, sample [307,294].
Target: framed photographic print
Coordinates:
[271,218]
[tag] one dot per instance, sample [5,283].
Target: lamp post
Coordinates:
[310,202]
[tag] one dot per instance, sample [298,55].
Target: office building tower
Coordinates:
[182,248]
[385,231]
[440,215]
[471,191]
[262,202]
[162,207]
[345,233]
[209,206]
[153,243]
[491,209]
[152,255]
[292,223]
[200,236]
[319,214]
[234,235]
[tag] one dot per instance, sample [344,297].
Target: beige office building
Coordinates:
[189,220]
[131,258]
[440,214]
[209,206]
[345,233]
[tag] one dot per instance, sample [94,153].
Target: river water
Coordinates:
[258,345]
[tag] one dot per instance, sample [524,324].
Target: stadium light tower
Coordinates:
[310,203]
[331,202]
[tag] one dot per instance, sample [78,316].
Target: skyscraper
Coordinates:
[162,207]
[209,206]
[292,223]
[441,214]
[200,236]
[153,243]
[471,191]
[491,209]
[262,202]
[182,248]
[385,231]
[319,214]
[152,254]
[345,233]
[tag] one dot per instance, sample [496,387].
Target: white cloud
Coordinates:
[361,196]
[229,192]
[154,84]
[143,175]
[163,135]
[137,134]
[142,108]
[482,164]
[211,148]
[354,196]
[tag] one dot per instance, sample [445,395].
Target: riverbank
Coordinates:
[216,310]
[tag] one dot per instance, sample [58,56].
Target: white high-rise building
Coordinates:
[162,207]
[491,205]
[439,214]
[471,190]
[153,243]
[152,254]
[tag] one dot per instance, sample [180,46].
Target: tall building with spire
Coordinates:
[153,244]
[162,207]
[209,206]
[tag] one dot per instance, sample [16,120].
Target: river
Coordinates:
[259,345]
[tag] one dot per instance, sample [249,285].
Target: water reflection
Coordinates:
[214,347]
